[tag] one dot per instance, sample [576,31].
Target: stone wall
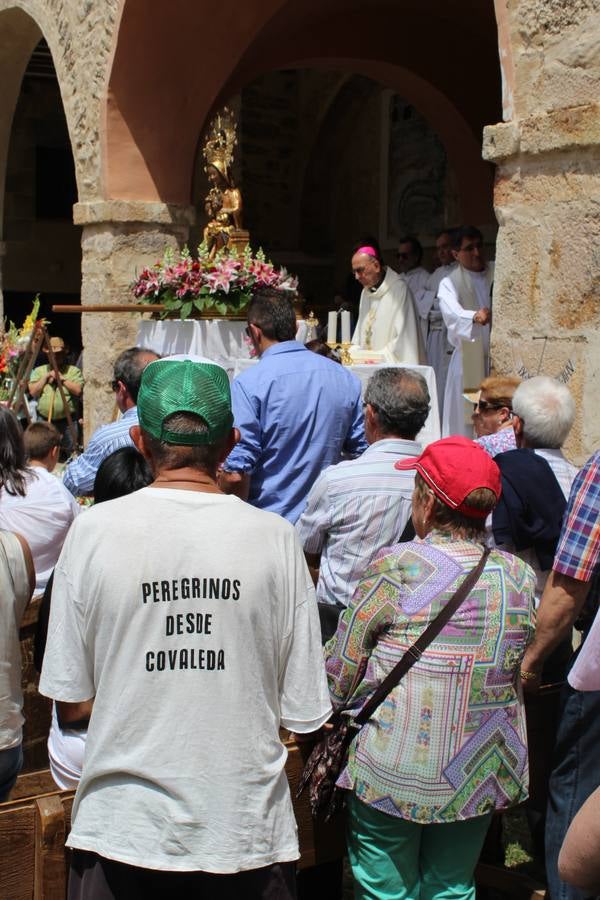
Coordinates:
[547,200]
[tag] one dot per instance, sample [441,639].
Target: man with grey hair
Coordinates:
[361,505]
[127,373]
[543,415]
[536,480]
[536,477]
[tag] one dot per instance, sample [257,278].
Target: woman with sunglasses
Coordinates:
[492,414]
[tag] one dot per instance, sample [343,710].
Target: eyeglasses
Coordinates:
[476,245]
[485,406]
[403,255]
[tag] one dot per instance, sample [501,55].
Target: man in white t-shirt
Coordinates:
[188,618]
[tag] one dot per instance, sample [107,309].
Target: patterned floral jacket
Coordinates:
[449,742]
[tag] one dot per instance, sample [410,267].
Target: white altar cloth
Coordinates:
[430,432]
[219,339]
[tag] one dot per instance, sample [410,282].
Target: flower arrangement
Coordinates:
[223,282]
[13,343]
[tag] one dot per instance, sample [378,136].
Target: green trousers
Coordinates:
[394,859]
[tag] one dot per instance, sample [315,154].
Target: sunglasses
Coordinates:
[485,406]
[403,255]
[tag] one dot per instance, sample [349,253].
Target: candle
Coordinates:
[345,326]
[332,327]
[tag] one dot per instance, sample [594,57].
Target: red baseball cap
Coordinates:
[453,467]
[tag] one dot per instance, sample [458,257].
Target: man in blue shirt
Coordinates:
[80,474]
[296,411]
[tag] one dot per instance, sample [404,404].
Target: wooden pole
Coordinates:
[109,307]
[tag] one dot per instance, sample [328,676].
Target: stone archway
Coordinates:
[551,82]
[80,44]
[42,245]
[79,40]
[19,34]
[144,162]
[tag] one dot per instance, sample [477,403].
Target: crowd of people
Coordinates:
[259,557]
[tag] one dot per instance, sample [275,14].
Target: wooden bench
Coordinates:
[35,823]
[33,862]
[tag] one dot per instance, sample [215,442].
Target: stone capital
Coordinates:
[500,141]
[125,211]
[575,127]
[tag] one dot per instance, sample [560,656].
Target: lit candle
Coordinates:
[345,326]
[332,327]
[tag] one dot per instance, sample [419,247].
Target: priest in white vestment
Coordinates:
[409,255]
[387,328]
[437,347]
[465,303]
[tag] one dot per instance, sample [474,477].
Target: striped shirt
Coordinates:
[578,551]
[80,475]
[354,509]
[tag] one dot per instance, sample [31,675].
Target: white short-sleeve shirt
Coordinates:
[191,619]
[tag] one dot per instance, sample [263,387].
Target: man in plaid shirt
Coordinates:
[575,770]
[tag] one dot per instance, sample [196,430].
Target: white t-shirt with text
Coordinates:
[192,620]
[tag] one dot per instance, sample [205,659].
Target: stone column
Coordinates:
[119,239]
[547,201]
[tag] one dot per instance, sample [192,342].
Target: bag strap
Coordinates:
[420,645]
[408,534]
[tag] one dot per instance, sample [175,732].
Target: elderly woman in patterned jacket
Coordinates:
[448,745]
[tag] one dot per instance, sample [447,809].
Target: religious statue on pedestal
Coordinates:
[223,203]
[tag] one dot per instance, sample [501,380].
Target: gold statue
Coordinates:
[223,203]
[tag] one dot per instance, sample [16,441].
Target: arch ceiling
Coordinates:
[174,63]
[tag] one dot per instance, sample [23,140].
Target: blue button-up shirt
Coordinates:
[296,411]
